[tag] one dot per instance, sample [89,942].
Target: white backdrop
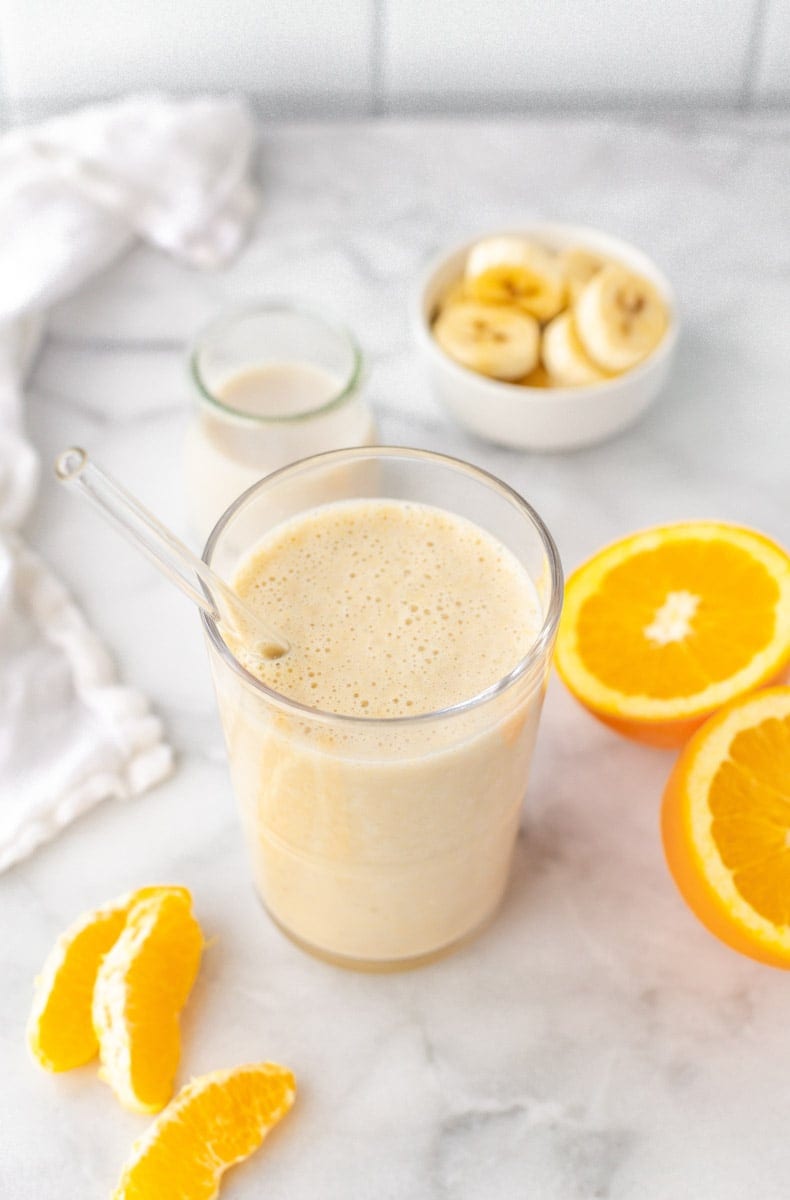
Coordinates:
[299,57]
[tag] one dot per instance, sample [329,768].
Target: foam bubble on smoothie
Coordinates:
[392,609]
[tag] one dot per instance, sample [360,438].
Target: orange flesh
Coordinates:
[141,988]
[734,618]
[60,1029]
[60,1033]
[726,824]
[159,980]
[214,1122]
[750,806]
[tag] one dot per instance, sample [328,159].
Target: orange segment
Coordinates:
[141,987]
[726,825]
[664,627]
[214,1122]
[60,1030]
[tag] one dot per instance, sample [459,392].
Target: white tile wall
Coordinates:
[63,50]
[537,49]
[772,77]
[330,56]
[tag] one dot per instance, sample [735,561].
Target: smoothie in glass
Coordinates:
[381,764]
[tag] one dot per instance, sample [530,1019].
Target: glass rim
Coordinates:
[534,654]
[273,305]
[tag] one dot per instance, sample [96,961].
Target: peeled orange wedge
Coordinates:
[60,1029]
[214,1122]
[142,984]
[726,825]
[664,627]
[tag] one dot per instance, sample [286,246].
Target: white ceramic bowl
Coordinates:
[560,418]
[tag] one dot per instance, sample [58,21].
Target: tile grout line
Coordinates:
[630,107]
[292,108]
[376,57]
[753,54]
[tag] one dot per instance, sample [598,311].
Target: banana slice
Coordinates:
[579,266]
[537,378]
[499,342]
[454,295]
[620,318]
[511,270]
[564,357]
[496,252]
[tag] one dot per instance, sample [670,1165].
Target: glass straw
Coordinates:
[246,634]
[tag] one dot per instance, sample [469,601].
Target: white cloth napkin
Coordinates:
[75,192]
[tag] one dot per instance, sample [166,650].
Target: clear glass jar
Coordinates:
[375,842]
[273,383]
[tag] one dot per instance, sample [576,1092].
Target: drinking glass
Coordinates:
[382,842]
[228,448]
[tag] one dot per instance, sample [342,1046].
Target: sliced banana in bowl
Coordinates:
[514,271]
[620,318]
[564,357]
[496,341]
[579,265]
[546,338]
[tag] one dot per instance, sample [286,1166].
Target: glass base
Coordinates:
[384,966]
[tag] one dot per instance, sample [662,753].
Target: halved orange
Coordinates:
[664,627]
[726,825]
[60,1029]
[214,1122]
[142,984]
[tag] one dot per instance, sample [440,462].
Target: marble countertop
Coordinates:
[596,1042]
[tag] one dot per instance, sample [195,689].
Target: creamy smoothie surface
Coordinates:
[392,608]
[372,842]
